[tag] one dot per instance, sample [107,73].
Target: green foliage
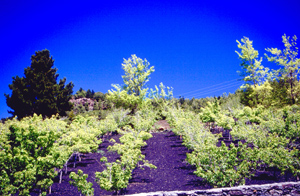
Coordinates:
[28,154]
[33,147]
[120,117]
[253,72]
[261,95]
[280,97]
[231,102]
[221,166]
[136,76]
[252,115]
[161,93]
[160,99]
[37,92]
[193,104]
[127,101]
[189,125]
[116,176]
[277,88]
[90,93]
[99,96]
[85,94]
[212,113]
[273,142]
[273,135]
[83,135]
[133,93]
[80,94]
[79,180]
[287,58]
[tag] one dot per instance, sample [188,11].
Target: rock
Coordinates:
[83,101]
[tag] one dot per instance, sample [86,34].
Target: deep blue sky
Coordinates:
[191,43]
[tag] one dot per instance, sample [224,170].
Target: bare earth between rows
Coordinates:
[166,152]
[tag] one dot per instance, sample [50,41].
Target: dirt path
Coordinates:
[166,152]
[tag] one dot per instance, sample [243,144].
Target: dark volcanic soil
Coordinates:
[164,150]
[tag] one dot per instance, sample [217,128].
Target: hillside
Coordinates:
[164,150]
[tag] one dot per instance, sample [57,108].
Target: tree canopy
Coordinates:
[253,72]
[38,91]
[287,58]
[137,73]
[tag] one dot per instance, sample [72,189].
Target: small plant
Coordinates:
[79,180]
[101,152]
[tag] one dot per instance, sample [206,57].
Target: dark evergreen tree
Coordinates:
[38,91]
[90,94]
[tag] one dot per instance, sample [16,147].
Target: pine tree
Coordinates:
[38,92]
[90,93]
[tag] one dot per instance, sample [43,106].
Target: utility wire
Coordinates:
[216,90]
[210,88]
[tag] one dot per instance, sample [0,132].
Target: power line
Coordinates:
[213,90]
[216,90]
[210,87]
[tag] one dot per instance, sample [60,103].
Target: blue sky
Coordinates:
[191,44]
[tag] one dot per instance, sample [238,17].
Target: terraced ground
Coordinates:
[165,150]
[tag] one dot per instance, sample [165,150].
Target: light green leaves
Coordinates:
[28,155]
[247,50]
[289,62]
[117,174]
[137,72]
[79,180]
[253,72]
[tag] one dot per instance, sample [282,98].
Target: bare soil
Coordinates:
[164,150]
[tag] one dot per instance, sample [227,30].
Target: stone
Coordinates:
[287,186]
[82,101]
[276,187]
[287,189]
[295,193]
[235,192]
[275,192]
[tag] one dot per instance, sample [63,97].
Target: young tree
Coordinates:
[79,180]
[133,92]
[253,72]
[137,73]
[287,58]
[37,92]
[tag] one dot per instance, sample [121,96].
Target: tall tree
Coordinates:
[38,92]
[287,58]
[133,92]
[137,73]
[253,72]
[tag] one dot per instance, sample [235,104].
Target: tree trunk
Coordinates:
[60,176]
